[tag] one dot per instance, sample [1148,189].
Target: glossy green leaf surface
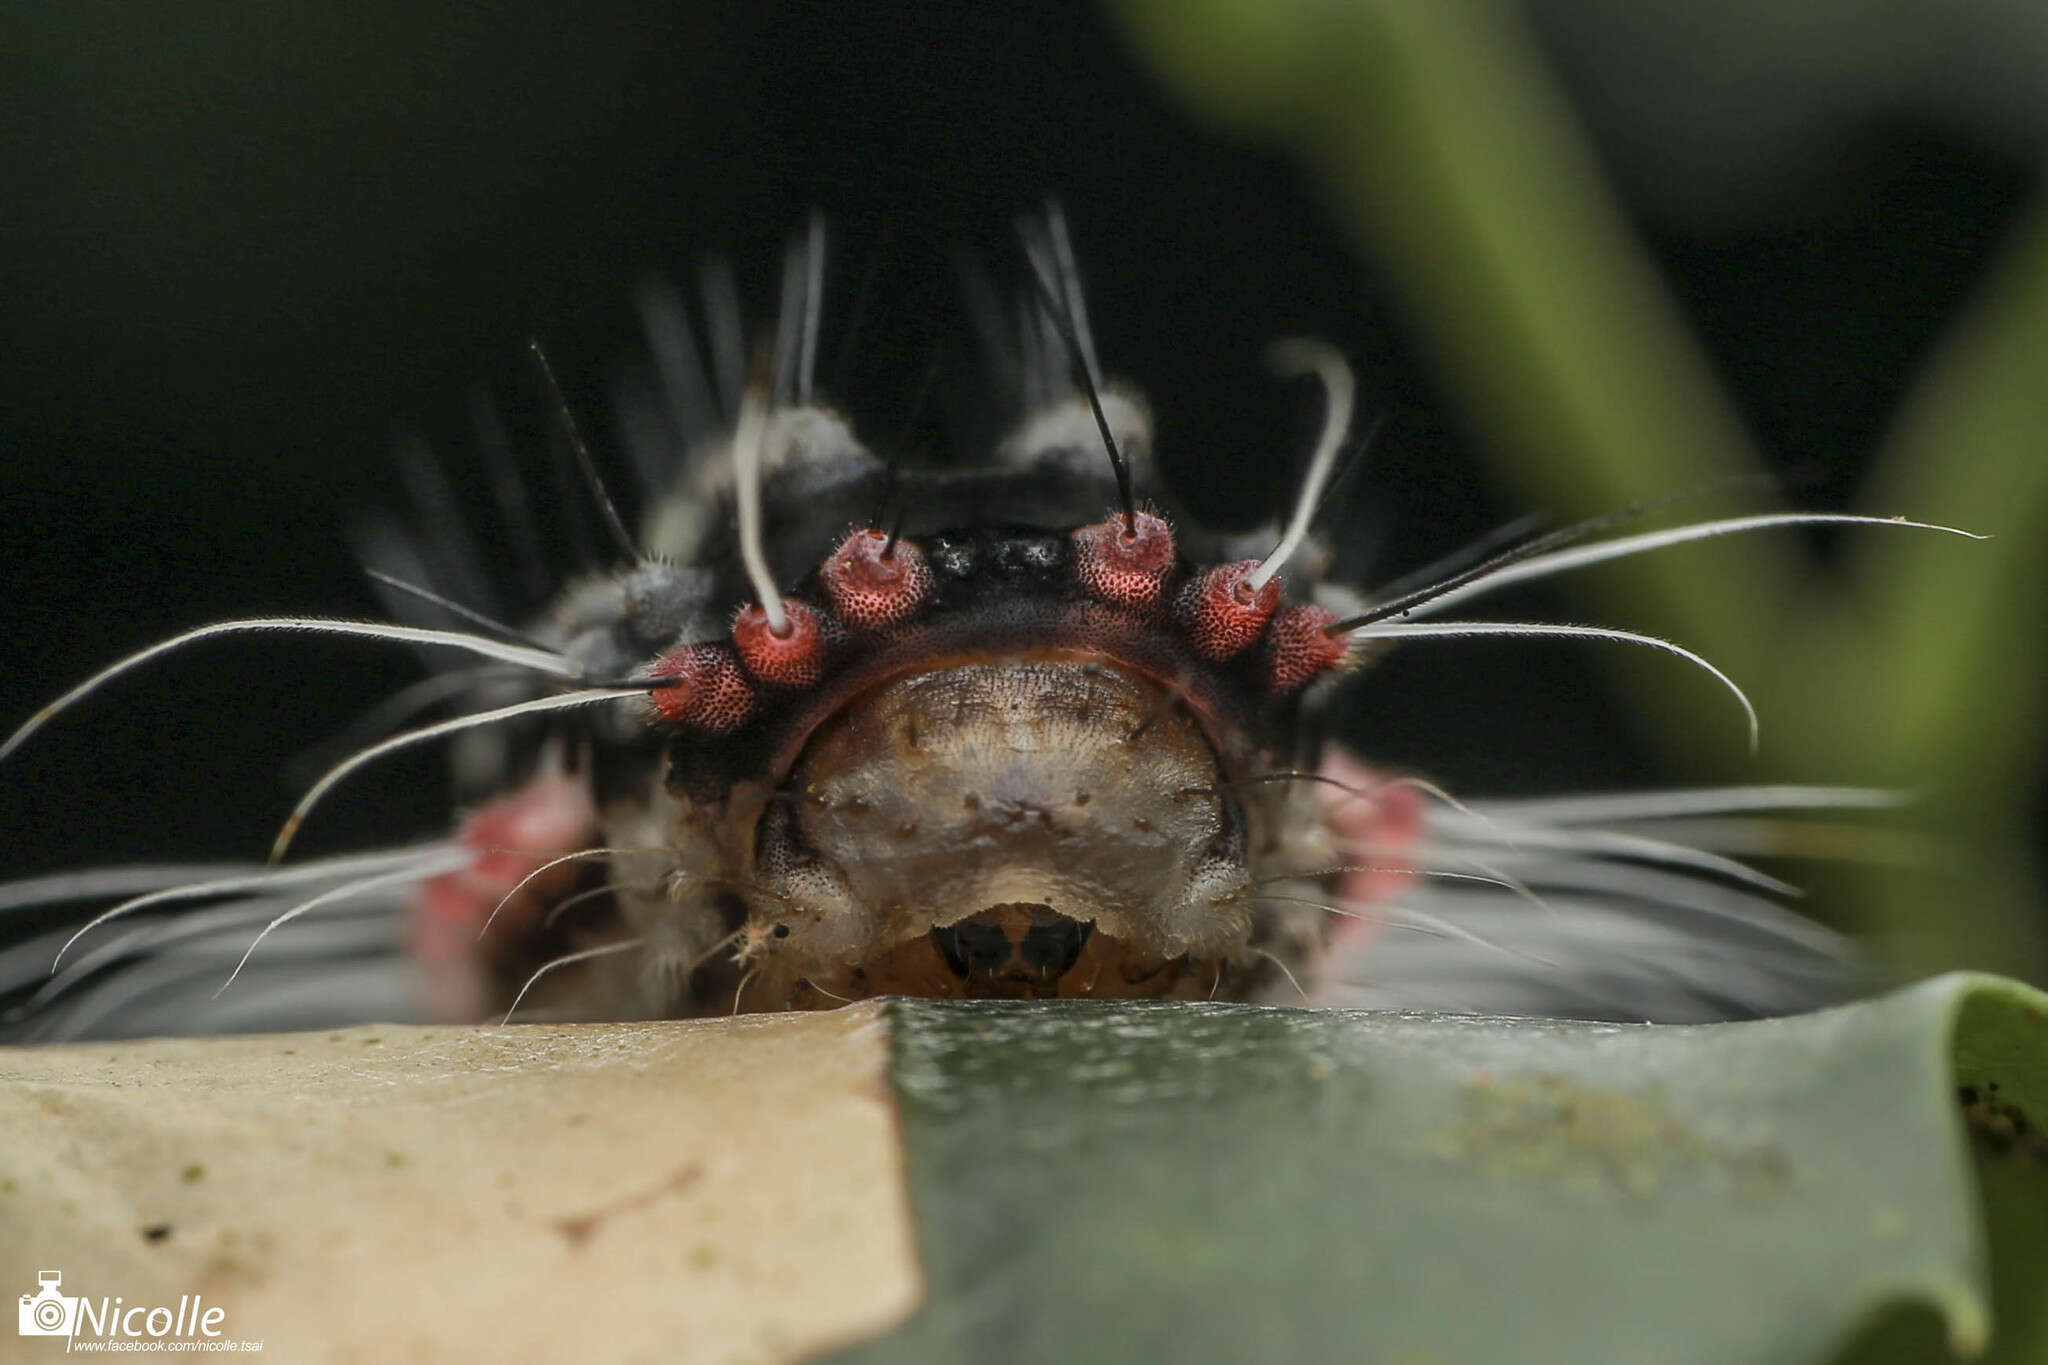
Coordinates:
[1206,1182]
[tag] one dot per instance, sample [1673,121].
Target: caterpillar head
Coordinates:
[1001,749]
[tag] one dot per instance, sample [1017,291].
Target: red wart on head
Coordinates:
[1223,615]
[794,657]
[711,691]
[875,582]
[1125,563]
[1300,648]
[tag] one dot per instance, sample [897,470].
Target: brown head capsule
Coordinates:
[991,829]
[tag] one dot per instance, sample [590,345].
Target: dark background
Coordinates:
[246,243]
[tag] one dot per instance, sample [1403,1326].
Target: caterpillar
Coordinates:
[1011,724]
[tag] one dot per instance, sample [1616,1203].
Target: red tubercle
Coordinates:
[872,583]
[794,658]
[1223,617]
[1378,819]
[1125,563]
[1299,648]
[510,840]
[551,815]
[711,691]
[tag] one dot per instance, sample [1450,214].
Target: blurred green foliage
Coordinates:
[1440,132]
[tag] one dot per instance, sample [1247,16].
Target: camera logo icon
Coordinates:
[46,1313]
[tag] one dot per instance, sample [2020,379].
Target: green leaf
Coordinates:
[1204,1182]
